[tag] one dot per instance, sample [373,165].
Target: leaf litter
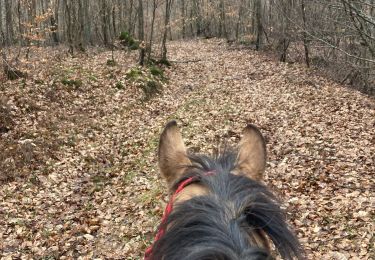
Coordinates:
[80,177]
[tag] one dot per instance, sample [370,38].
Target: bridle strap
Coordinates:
[167,212]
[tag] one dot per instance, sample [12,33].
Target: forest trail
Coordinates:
[102,196]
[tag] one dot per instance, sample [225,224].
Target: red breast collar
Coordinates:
[167,212]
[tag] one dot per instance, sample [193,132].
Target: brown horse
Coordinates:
[218,208]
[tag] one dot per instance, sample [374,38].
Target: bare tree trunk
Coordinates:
[141,34]
[239,18]
[9,22]
[130,25]
[105,22]
[166,25]
[20,29]
[259,21]
[80,27]
[222,27]
[198,17]
[120,15]
[54,23]
[154,7]
[87,25]
[2,41]
[304,34]
[183,13]
[115,32]
[285,24]
[191,22]
[69,29]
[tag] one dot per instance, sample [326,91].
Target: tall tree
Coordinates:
[154,7]
[285,28]
[54,21]
[130,16]
[304,34]
[222,23]
[168,4]
[9,22]
[69,29]
[197,17]
[259,22]
[105,21]
[183,18]
[2,41]
[141,33]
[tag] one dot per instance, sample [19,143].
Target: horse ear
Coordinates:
[172,153]
[251,159]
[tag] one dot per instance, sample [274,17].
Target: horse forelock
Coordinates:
[234,220]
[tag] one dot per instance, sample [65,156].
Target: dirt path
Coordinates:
[103,197]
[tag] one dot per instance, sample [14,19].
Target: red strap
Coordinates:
[167,212]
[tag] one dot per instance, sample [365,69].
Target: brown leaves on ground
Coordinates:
[78,162]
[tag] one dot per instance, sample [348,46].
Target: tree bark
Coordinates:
[166,25]
[198,18]
[239,18]
[130,24]
[154,7]
[9,22]
[304,34]
[54,23]
[183,13]
[1,25]
[259,22]
[141,34]
[105,22]
[285,24]
[222,27]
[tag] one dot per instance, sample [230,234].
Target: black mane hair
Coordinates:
[218,225]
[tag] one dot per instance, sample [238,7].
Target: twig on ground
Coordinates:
[185,61]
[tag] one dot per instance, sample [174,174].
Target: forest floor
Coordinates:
[78,142]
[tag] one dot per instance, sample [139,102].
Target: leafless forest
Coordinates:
[336,36]
[86,86]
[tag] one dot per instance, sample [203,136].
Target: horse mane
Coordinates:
[219,225]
